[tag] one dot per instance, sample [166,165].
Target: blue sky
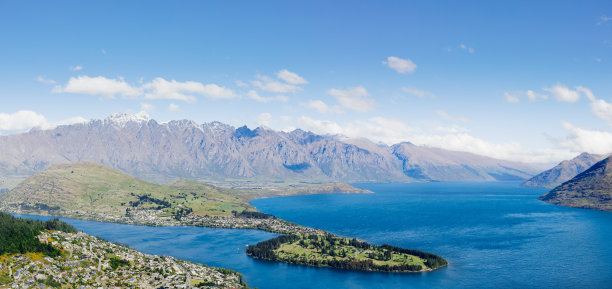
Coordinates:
[515,80]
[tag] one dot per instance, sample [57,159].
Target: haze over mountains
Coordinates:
[564,171]
[161,152]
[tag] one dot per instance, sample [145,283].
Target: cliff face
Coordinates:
[161,152]
[591,189]
[564,171]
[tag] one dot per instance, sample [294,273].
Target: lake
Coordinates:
[493,235]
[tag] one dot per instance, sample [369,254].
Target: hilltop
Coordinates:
[94,192]
[564,171]
[591,189]
[96,189]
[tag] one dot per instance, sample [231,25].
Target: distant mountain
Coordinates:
[591,189]
[162,152]
[564,171]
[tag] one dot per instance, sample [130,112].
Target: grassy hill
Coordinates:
[592,189]
[94,188]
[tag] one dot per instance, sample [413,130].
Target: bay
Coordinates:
[494,235]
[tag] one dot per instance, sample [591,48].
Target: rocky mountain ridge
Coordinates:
[161,152]
[564,171]
[591,189]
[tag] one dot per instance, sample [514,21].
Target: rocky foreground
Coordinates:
[89,262]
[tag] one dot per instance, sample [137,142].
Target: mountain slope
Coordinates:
[93,188]
[591,189]
[564,171]
[216,152]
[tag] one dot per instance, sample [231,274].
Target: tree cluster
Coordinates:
[431,260]
[252,215]
[19,236]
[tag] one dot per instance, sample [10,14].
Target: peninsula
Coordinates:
[328,250]
[94,192]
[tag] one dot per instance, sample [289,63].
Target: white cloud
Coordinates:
[69,121]
[561,93]
[24,120]
[290,82]
[391,131]
[240,83]
[45,81]
[160,88]
[447,116]
[418,92]
[400,65]
[506,151]
[602,109]
[76,68]
[103,51]
[147,107]
[533,96]
[271,85]
[530,94]
[21,120]
[378,129]
[511,98]
[322,107]
[603,19]
[174,107]
[264,119]
[586,92]
[291,77]
[354,98]
[468,49]
[320,126]
[282,98]
[252,94]
[585,140]
[99,85]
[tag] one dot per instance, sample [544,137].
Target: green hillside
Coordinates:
[591,189]
[94,188]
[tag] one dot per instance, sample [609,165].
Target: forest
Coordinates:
[19,236]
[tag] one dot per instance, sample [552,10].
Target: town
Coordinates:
[90,262]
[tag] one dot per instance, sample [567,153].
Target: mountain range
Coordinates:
[220,153]
[591,189]
[564,171]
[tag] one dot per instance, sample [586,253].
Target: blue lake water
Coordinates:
[493,234]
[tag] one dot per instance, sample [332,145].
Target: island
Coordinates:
[328,250]
[94,192]
[53,254]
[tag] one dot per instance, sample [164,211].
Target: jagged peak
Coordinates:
[122,118]
[219,126]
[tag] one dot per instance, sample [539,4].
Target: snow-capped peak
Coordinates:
[121,118]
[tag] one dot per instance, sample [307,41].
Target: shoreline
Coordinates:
[272,225]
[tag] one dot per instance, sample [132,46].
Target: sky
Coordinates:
[525,81]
